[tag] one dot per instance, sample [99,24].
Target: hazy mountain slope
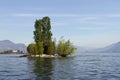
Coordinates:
[111,48]
[9,45]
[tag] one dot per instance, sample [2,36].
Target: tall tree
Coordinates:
[47,35]
[38,31]
[42,34]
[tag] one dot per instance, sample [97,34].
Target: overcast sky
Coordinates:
[87,23]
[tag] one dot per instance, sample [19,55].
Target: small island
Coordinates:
[44,45]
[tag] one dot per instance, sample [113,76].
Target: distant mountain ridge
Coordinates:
[9,45]
[113,48]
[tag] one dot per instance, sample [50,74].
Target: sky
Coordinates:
[87,23]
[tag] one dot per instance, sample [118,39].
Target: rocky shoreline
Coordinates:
[41,56]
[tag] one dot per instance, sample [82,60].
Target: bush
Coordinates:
[64,48]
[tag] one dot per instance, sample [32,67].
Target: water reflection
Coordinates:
[51,69]
[42,68]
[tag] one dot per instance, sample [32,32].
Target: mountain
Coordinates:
[113,48]
[9,45]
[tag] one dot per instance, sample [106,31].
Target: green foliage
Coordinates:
[60,46]
[42,31]
[42,34]
[32,49]
[51,48]
[46,27]
[40,48]
[38,31]
[45,44]
[65,48]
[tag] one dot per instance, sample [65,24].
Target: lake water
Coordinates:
[82,66]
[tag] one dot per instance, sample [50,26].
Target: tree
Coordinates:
[42,34]
[45,44]
[60,46]
[46,27]
[64,48]
[32,49]
[38,31]
[40,48]
[51,47]
[42,31]
[46,34]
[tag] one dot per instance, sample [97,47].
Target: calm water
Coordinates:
[89,66]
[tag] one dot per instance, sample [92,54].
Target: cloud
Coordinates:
[84,17]
[89,21]
[88,18]
[52,15]
[64,15]
[113,15]
[25,15]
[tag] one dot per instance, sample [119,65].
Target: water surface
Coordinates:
[82,66]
